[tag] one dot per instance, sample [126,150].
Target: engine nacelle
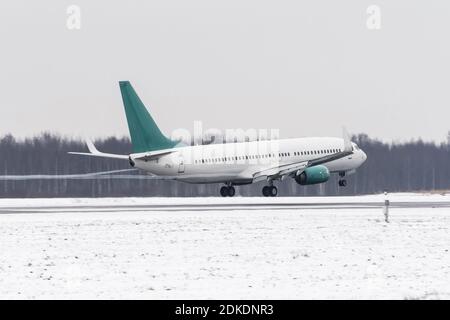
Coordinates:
[313,175]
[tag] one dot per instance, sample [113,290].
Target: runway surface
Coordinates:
[208,204]
[214,248]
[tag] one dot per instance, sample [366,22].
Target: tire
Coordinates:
[273,191]
[224,191]
[265,191]
[231,191]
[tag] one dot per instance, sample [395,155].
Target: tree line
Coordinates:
[395,167]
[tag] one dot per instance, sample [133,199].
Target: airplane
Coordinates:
[306,160]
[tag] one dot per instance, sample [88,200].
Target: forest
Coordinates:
[396,167]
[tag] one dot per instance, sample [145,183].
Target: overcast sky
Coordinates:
[304,67]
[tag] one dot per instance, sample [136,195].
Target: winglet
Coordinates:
[347,143]
[91,146]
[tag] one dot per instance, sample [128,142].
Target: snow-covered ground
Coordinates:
[223,254]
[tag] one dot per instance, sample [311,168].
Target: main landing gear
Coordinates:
[270,191]
[227,191]
[342,182]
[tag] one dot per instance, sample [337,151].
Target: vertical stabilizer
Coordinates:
[145,134]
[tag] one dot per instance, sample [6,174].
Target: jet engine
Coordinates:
[313,175]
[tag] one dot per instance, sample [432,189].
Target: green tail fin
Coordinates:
[145,134]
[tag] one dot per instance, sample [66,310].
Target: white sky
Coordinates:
[306,68]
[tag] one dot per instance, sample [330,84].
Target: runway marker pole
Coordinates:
[386,207]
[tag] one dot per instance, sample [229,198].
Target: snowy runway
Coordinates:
[297,252]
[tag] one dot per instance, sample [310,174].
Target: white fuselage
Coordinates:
[238,162]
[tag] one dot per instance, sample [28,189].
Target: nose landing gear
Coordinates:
[342,182]
[227,191]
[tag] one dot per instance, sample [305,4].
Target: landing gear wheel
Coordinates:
[269,191]
[342,183]
[273,191]
[224,191]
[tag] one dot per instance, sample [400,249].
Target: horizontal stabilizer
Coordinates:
[95,153]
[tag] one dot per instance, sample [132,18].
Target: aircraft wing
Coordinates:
[280,171]
[296,168]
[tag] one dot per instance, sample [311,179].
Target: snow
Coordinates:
[321,253]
